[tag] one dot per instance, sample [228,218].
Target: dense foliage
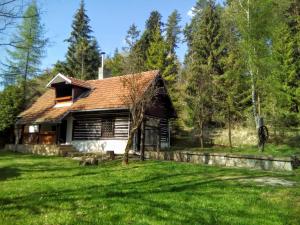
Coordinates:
[10,106]
[242,61]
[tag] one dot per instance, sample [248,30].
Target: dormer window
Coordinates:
[67,89]
[63,92]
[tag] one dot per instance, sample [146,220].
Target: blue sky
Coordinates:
[109,19]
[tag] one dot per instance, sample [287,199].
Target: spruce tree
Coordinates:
[283,102]
[293,16]
[153,28]
[156,53]
[83,56]
[173,31]
[232,96]
[172,65]
[203,62]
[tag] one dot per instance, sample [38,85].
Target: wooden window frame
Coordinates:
[104,133]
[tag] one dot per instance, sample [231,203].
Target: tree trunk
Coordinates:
[128,146]
[130,139]
[256,113]
[82,62]
[229,127]
[142,144]
[201,134]
[25,78]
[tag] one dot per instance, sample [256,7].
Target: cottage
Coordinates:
[92,116]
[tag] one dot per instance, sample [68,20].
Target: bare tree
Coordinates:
[140,92]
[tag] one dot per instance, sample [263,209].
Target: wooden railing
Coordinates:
[47,138]
[63,99]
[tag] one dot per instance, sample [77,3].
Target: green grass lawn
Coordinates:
[270,149]
[53,190]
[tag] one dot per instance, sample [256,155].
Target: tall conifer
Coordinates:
[83,56]
[203,62]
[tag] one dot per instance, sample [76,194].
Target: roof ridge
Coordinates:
[113,77]
[148,71]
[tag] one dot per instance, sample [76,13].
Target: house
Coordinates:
[92,115]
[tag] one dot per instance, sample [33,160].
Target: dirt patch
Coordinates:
[272,181]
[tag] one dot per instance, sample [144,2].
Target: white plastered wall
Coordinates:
[118,146]
[112,144]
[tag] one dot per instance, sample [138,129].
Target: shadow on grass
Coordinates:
[9,172]
[145,196]
[148,192]
[293,141]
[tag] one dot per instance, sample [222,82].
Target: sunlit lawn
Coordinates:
[270,150]
[52,190]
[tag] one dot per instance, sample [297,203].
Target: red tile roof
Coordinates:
[108,93]
[80,83]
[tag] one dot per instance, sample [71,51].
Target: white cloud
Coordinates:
[191,13]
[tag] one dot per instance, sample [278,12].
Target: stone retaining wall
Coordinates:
[230,160]
[51,150]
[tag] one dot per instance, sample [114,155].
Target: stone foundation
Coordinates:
[228,160]
[50,150]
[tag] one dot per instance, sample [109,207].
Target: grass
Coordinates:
[270,149]
[53,190]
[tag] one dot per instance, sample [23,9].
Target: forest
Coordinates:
[241,69]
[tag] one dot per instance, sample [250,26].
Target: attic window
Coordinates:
[63,92]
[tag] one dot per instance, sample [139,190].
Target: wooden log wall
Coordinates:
[164,130]
[87,126]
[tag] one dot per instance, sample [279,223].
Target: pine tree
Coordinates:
[24,59]
[83,56]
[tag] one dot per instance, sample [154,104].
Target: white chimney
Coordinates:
[101,69]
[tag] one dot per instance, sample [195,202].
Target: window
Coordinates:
[107,128]
[93,128]
[63,90]
[86,129]
[33,129]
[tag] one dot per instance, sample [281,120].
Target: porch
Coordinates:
[43,134]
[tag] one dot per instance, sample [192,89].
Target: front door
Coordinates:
[63,132]
[138,140]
